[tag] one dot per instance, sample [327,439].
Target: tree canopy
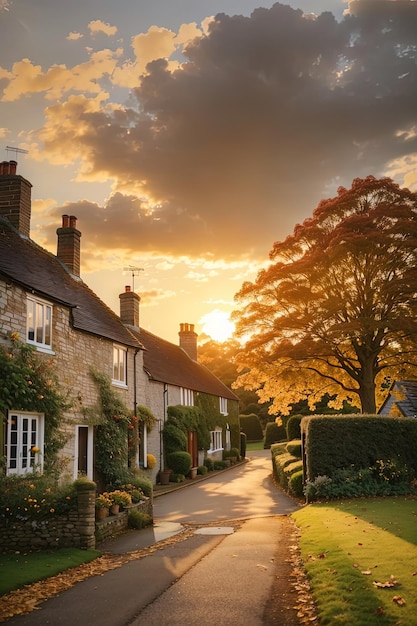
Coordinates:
[335,311]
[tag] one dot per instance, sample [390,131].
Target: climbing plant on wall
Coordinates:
[28,383]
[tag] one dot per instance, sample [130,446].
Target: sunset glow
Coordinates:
[217,325]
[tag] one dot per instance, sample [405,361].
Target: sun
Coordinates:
[217,325]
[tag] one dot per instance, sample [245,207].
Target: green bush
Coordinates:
[232,453]
[174,437]
[251,426]
[209,464]
[180,462]
[138,520]
[274,433]
[339,442]
[142,483]
[202,470]
[294,447]
[296,483]
[293,427]
[219,465]
[175,477]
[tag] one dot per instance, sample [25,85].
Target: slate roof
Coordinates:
[403,395]
[168,363]
[40,272]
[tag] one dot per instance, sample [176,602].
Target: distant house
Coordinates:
[402,400]
[174,377]
[44,301]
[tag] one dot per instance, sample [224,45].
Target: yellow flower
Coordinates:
[52,510]
[35,449]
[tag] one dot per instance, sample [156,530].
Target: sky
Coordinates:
[188,135]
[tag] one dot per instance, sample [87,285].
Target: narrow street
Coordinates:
[222,548]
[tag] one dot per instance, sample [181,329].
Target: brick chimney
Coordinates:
[69,244]
[15,197]
[129,307]
[188,340]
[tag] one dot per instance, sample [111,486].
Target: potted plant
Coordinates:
[119,500]
[103,504]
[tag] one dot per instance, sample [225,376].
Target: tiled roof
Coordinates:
[40,272]
[403,395]
[167,363]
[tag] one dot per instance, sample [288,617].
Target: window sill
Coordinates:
[118,383]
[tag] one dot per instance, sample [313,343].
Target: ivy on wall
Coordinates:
[28,383]
[117,435]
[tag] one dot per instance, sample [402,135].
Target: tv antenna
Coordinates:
[135,272]
[16,151]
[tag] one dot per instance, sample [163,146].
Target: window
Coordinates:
[25,438]
[83,461]
[187,397]
[223,406]
[39,323]
[119,365]
[216,442]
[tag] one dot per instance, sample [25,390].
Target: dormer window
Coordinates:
[119,366]
[39,323]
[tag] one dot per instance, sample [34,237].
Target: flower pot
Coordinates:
[102,513]
[193,472]
[114,509]
[164,477]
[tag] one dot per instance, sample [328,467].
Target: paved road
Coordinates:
[221,573]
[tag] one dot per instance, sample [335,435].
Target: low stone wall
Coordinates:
[77,529]
[116,524]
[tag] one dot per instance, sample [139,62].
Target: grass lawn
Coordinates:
[17,570]
[348,546]
[255,445]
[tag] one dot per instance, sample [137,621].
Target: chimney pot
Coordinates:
[65,221]
[12,167]
[127,289]
[73,221]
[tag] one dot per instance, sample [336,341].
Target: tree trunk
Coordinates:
[367,391]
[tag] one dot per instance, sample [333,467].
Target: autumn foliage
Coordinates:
[335,312]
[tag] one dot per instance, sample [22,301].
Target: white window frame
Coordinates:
[119,375]
[24,432]
[186,397]
[223,406]
[39,323]
[216,440]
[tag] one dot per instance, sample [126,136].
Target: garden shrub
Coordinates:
[175,477]
[138,520]
[296,483]
[294,447]
[284,465]
[274,433]
[143,483]
[202,470]
[293,427]
[219,465]
[209,464]
[252,427]
[232,453]
[179,462]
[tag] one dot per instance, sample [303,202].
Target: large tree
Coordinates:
[336,310]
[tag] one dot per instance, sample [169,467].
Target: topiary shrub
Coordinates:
[176,478]
[251,426]
[294,448]
[138,520]
[293,427]
[295,483]
[209,464]
[180,462]
[274,434]
[202,470]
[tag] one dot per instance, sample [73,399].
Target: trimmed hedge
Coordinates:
[180,462]
[274,434]
[251,426]
[284,465]
[294,448]
[339,442]
[293,427]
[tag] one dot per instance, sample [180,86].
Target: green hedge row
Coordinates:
[252,427]
[339,442]
[288,466]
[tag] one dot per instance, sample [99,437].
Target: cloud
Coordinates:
[223,150]
[74,36]
[97,26]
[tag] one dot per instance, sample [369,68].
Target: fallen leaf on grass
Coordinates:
[399,600]
[388,583]
[366,572]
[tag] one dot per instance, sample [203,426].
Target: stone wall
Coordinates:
[77,529]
